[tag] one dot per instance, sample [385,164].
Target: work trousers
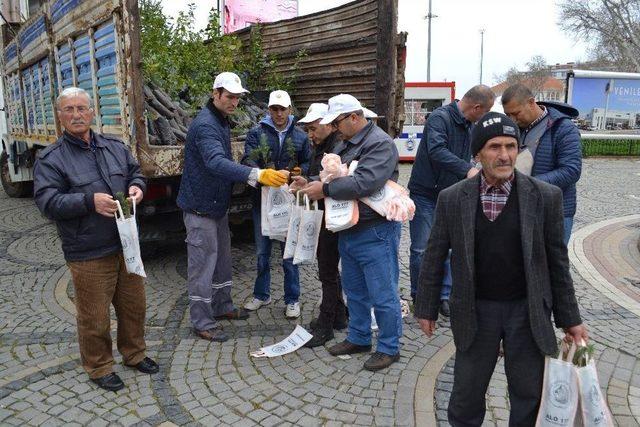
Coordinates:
[98,283]
[208,269]
[332,308]
[506,321]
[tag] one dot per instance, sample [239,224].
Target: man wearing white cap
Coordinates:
[333,313]
[288,148]
[369,249]
[205,191]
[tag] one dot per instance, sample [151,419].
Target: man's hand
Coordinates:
[272,178]
[472,172]
[298,183]
[314,190]
[296,171]
[135,194]
[576,334]
[104,204]
[427,326]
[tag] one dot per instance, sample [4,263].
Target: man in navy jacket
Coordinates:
[443,158]
[205,193]
[288,148]
[75,182]
[553,141]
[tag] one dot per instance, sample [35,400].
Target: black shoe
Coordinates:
[320,337]
[110,382]
[147,366]
[379,361]
[345,347]
[444,308]
[215,335]
[340,323]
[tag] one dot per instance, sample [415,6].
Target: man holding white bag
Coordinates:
[510,273]
[75,181]
[369,249]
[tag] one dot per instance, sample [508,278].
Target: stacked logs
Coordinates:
[168,120]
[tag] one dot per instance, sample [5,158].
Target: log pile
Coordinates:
[168,120]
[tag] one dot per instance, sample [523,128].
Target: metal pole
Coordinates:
[606,105]
[429,16]
[481,52]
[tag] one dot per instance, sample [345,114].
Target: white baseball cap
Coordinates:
[316,111]
[344,103]
[279,97]
[230,82]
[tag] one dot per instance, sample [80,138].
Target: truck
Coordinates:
[606,101]
[95,45]
[420,99]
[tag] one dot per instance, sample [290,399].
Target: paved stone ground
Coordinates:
[41,382]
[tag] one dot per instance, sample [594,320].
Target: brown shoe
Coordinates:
[216,335]
[379,361]
[345,347]
[235,314]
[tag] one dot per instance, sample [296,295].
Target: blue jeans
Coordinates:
[370,279]
[419,230]
[262,286]
[568,225]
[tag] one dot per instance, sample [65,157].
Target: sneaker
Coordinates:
[256,304]
[379,361]
[292,311]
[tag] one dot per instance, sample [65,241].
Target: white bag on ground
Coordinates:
[310,223]
[128,231]
[559,391]
[279,202]
[294,227]
[593,406]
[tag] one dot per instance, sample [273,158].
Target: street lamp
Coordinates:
[429,17]
[482,30]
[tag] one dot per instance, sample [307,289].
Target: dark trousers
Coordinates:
[524,365]
[98,284]
[332,308]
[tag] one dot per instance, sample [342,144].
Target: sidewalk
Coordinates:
[201,383]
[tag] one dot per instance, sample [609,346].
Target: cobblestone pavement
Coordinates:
[42,383]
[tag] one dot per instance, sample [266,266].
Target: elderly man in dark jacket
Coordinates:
[443,159]
[287,148]
[75,182]
[369,249]
[510,272]
[205,193]
[552,141]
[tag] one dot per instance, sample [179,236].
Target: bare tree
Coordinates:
[534,77]
[613,25]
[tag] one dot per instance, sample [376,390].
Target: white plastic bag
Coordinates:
[294,227]
[128,231]
[559,390]
[278,202]
[391,201]
[309,232]
[340,214]
[593,405]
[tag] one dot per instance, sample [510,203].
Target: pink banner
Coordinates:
[242,13]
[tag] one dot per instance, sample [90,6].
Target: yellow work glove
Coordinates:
[272,178]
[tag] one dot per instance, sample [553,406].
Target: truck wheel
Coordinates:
[13,189]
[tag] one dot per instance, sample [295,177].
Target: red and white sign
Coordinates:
[242,13]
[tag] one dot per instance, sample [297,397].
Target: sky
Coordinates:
[515,30]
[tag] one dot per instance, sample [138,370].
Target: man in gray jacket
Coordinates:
[75,182]
[510,272]
[369,249]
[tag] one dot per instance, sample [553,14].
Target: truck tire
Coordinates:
[13,189]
